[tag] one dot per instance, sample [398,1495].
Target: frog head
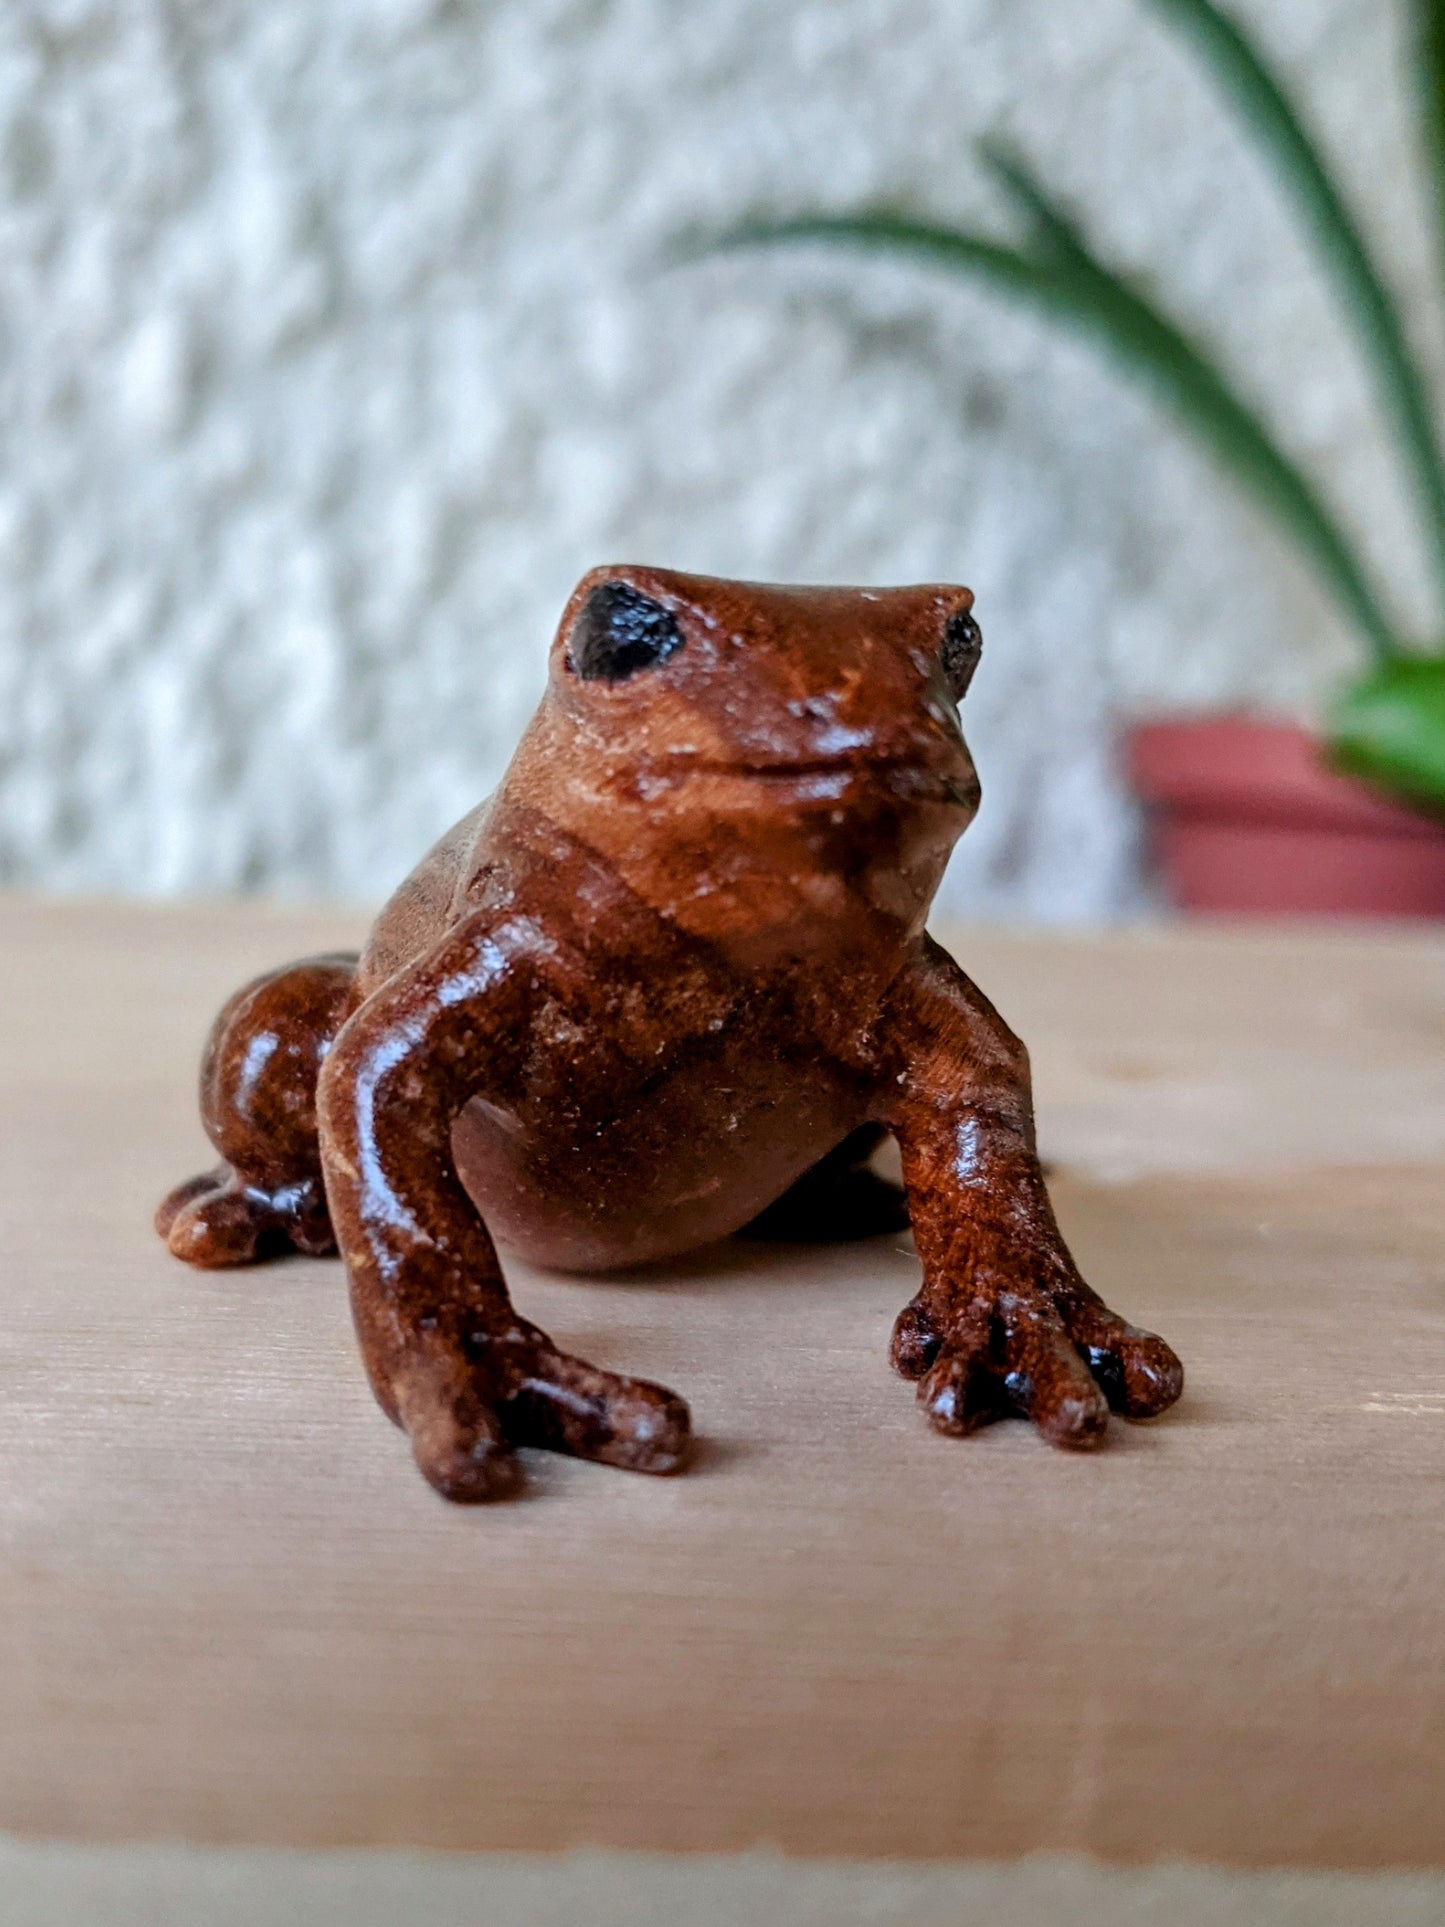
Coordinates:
[759,761]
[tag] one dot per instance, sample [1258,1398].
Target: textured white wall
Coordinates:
[334,346]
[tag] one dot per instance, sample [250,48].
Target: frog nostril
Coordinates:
[962,647]
[619,631]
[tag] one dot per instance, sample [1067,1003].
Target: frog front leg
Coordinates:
[449,1358]
[1003,1321]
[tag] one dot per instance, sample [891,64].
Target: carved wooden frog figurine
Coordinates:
[670,982]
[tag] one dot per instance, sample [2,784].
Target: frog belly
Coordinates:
[697,1158]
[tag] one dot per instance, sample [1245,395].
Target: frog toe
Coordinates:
[466,1461]
[218,1220]
[1140,1375]
[566,1405]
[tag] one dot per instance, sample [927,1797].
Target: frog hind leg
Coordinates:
[258,1105]
[837,1200]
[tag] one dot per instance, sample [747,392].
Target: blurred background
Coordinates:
[336,342]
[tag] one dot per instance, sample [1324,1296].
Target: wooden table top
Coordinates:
[230,1611]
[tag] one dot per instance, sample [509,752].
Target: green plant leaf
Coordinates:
[1066,281]
[1270,116]
[1427,56]
[1389,727]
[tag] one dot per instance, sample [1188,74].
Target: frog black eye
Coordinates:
[962,647]
[619,631]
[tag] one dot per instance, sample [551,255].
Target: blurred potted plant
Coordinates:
[1250,815]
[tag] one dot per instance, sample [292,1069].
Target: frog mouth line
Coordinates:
[911,777]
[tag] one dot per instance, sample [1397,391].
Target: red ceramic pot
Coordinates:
[1244,817]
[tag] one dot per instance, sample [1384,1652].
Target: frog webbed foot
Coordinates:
[467,1406]
[258,1104]
[1034,1342]
[218,1219]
